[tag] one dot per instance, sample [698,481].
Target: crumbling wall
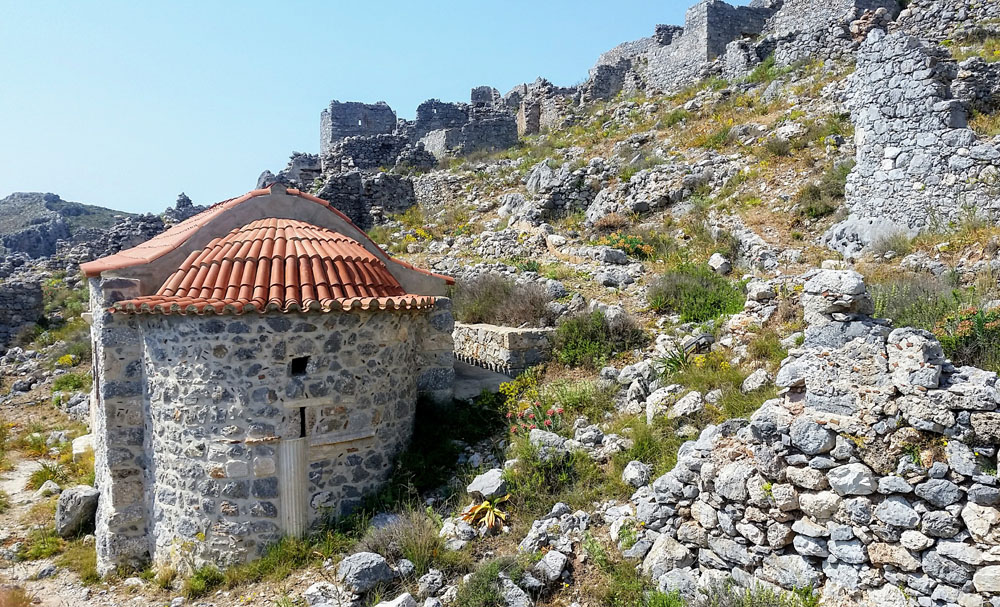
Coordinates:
[918,163]
[936,21]
[870,479]
[352,118]
[368,198]
[364,152]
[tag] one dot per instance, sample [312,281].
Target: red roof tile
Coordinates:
[278,265]
[171,239]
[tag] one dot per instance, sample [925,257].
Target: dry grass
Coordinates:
[985,125]
[15,596]
[988,49]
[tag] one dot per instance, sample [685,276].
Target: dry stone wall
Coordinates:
[508,350]
[918,162]
[872,478]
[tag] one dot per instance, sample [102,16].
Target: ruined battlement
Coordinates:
[353,118]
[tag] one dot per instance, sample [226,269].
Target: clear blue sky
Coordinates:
[127,103]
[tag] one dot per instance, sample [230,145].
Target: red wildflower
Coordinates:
[531,416]
[550,412]
[513,429]
[533,426]
[548,422]
[559,410]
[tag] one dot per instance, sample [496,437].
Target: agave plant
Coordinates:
[487,514]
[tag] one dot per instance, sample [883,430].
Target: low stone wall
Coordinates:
[20,305]
[504,349]
[871,479]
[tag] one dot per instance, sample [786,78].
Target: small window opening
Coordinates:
[359,122]
[299,365]
[302,422]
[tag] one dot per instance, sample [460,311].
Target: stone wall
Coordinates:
[935,21]
[368,198]
[364,152]
[870,479]
[507,350]
[918,163]
[20,307]
[817,29]
[353,118]
[192,413]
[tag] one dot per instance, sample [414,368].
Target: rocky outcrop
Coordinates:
[870,477]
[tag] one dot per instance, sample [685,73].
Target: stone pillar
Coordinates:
[436,353]
[120,462]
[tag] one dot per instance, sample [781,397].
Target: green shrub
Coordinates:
[730,595]
[631,244]
[715,140]
[766,347]
[897,242]
[484,587]
[916,300]
[72,382]
[527,265]
[817,200]
[622,584]
[204,580]
[41,543]
[778,146]
[494,299]
[673,118]
[413,537]
[584,397]
[971,337]
[590,340]
[694,292]
[47,472]
[535,483]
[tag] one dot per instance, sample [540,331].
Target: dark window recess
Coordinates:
[302,422]
[299,365]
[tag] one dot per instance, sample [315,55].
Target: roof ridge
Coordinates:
[175,236]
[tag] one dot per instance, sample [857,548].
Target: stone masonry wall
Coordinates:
[20,307]
[368,198]
[918,163]
[212,399]
[353,118]
[118,425]
[871,479]
[507,350]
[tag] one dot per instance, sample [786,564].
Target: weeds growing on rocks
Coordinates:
[695,293]
[494,299]
[590,340]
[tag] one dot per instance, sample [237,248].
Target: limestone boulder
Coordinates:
[488,485]
[75,510]
[362,571]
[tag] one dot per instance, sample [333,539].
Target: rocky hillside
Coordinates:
[32,222]
[762,249]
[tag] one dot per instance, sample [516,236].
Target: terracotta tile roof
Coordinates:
[169,240]
[278,265]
